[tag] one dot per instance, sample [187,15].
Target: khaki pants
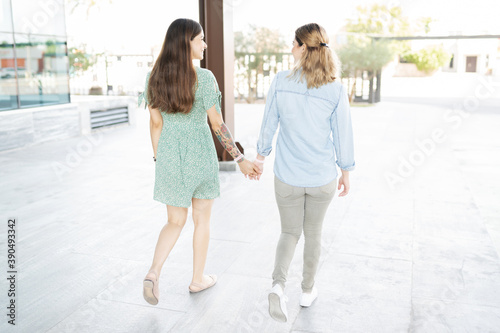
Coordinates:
[301,208]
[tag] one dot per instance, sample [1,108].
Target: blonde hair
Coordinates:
[320,64]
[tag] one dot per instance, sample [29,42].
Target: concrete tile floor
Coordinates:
[419,256]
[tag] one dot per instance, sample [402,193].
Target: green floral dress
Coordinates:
[186,161]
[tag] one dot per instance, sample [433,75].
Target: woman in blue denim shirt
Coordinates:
[312,109]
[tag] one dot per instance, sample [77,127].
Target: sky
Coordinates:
[130,26]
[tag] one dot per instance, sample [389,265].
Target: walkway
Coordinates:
[414,247]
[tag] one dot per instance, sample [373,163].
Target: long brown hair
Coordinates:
[171,86]
[319,63]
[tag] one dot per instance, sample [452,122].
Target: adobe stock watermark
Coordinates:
[422,320]
[97,309]
[76,154]
[259,320]
[47,11]
[426,147]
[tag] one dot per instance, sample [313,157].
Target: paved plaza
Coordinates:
[414,247]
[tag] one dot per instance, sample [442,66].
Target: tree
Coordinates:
[363,51]
[380,20]
[80,60]
[251,50]
[428,59]
[424,24]
[88,4]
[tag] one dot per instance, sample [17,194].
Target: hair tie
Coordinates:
[323,44]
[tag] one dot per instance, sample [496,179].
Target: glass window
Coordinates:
[8,82]
[42,69]
[39,17]
[33,55]
[5,16]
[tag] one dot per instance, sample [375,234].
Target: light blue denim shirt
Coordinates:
[315,131]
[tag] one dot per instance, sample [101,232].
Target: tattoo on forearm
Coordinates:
[227,141]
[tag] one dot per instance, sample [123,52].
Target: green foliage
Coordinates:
[86,4]
[428,59]
[380,20]
[79,60]
[364,53]
[371,54]
[251,50]
[259,40]
[424,24]
[51,46]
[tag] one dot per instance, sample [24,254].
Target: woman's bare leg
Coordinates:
[202,208]
[169,234]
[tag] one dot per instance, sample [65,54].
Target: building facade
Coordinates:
[35,104]
[34,67]
[473,56]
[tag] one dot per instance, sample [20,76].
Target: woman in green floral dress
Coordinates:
[180,96]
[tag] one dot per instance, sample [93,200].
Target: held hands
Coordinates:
[260,167]
[249,169]
[258,163]
[254,171]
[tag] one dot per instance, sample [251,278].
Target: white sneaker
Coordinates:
[277,304]
[307,298]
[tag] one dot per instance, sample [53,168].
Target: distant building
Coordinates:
[114,74]
[124,71]
[472,55]
[34,79]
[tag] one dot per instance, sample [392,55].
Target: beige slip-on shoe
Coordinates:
[150,290]
[197,287]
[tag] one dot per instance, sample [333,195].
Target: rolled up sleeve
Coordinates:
[269,122]
[342,133]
